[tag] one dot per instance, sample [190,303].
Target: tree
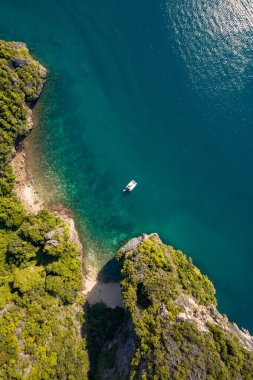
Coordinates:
[20,251]
[29,278]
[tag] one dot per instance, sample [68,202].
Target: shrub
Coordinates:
[156,280]
[37,332]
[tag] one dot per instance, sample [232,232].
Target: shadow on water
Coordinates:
[110,271]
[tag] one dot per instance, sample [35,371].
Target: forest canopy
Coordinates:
[39,282]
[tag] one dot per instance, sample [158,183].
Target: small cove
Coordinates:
[140,90]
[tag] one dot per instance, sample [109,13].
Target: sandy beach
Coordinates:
[94,290]
[24,187]
[98,291]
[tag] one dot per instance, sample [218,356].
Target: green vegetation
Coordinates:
[41,309]
[193,282]
[21,82]
[157,282]
[40,268]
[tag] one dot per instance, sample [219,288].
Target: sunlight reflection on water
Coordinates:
[215,41]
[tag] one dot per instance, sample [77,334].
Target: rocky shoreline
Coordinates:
[33,203]
[93,289]
[24,186]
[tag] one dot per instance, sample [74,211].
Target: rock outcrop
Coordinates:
[174,329]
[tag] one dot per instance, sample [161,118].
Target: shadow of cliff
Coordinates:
[104,315]
[101,327]
[106,287]
[108,293]
[110,271]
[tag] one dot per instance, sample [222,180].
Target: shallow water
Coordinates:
[158,91]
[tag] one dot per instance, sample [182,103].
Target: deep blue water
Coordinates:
[159,91]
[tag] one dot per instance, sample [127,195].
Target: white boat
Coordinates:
[130,186]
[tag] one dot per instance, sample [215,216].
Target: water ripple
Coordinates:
[215,41]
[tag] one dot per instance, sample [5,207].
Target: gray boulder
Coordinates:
[18,62]
[52,242]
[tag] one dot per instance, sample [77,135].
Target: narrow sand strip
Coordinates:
[95,290]
[24,184]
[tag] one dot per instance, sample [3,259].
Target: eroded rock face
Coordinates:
[18,45]
[4,309]
[132,244]
[18,62]
[55,243]
[204,315]
[124,355]
[179,333]
[135,242]
[52,233]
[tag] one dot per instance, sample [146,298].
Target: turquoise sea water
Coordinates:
[159,91]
